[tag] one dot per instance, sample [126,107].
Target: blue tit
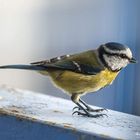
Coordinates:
[82,73]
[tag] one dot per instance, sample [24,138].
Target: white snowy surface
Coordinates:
[58,112]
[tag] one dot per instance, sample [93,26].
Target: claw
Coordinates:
[75,112]
[76,107]
[105,115]
[102,115]
[104,109]
[91,110]
[89,115]
[96,110]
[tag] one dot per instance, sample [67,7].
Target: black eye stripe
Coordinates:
[115,54]
[103,51]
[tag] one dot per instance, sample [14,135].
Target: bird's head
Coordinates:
[115,56]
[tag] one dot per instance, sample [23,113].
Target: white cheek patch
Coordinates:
[115,63]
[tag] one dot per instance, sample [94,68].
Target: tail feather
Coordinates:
[24,67]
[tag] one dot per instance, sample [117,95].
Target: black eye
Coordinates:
[123,55]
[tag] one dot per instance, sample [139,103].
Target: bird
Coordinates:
[84,72]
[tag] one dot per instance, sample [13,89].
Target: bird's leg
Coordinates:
[88,108]
[75,98]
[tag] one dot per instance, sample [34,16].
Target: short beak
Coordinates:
[133,60]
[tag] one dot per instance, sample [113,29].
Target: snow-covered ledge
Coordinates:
[25,115]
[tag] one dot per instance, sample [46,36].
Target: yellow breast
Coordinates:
[79,83]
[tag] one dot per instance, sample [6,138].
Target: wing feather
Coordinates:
[80,63]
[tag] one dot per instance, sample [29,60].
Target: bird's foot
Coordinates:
[96,110]
[91,109]
[89,114]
